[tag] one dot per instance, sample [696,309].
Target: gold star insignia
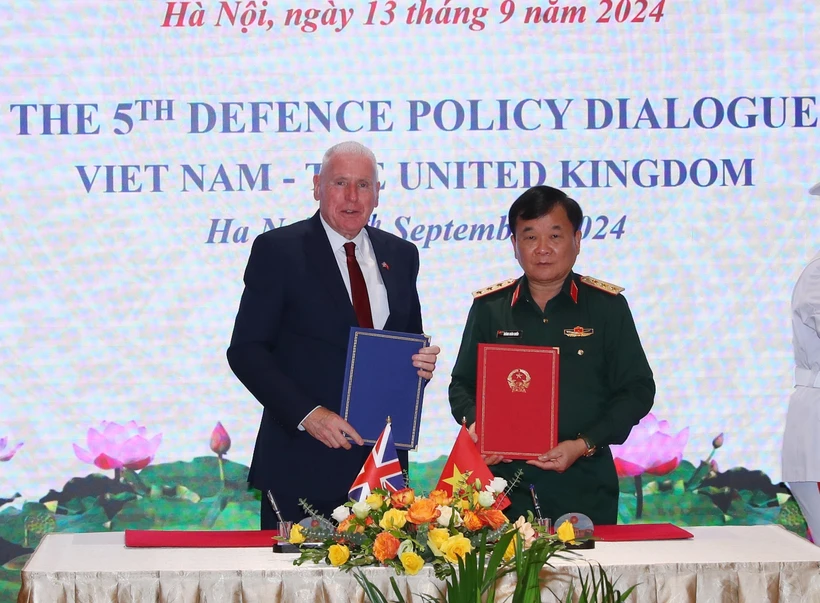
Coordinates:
[458,480]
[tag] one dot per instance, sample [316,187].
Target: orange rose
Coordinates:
[350,522]
[440,497]
[492,517]
[346,524]
[403,498]
[472,521]
[386,546]
[423,510]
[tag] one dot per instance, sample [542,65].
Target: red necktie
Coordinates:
[358,288]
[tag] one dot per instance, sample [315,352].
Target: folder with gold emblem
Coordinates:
[517,400]
[380,382]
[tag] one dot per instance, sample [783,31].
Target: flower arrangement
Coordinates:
[407,531]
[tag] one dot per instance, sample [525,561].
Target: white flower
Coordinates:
[486,499]
[497,485]
[340,513]
[361,509]
[406,546]
[446,513]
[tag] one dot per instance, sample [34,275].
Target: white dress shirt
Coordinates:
[366,257]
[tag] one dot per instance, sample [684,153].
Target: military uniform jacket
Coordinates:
[605,384]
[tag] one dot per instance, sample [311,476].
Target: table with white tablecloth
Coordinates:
[730,563]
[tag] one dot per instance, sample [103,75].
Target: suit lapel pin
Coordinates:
[385,265]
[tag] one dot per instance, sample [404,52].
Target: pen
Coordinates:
[274,506]
[535,502]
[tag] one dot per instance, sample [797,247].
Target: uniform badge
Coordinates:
[518,380]
[385,265]
[508,334]
[578,332]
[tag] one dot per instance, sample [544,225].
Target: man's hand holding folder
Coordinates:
[385,377]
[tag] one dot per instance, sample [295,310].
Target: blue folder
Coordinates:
[380,382]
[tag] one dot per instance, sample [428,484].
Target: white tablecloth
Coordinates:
[721,564]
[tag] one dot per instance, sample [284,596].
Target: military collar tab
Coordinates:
[570,287]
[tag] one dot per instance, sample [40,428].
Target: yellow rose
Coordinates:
[296,536]
[338,554]
[455,547]
[566,533]
[393,519]
[510,552]
[411,563]
[375,501]
[436,538]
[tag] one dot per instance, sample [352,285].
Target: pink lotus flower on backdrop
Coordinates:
[650,448]
[220,444]
[220,440]
[6,455]
[115,446]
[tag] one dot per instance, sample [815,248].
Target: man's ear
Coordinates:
[515,249]
[316,187]
[378,188]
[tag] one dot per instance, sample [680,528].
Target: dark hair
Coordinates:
[541,200]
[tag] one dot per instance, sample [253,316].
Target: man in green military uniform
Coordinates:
[605,382]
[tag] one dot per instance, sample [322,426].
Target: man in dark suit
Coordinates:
[305,286]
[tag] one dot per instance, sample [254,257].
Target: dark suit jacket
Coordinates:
[289,347]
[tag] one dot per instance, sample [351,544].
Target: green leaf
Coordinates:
[243,515]
[94,519]
[688,508]
[742,513]
[201,475]
[169,514]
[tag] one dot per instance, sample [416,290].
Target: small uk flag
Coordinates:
[381,469]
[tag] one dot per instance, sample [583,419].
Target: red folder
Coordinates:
[201,539]
[517,400]
[640,531]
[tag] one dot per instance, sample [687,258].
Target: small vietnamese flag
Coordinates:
[465,465]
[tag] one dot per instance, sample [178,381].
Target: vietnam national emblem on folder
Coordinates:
[516,400]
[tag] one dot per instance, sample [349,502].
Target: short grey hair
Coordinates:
[350,147]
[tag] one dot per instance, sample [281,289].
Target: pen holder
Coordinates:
[284,529]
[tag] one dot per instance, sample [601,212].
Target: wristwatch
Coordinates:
[591,448]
